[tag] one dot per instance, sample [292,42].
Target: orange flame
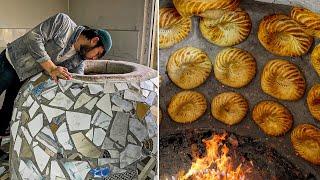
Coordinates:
[216,165]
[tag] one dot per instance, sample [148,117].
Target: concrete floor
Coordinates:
[252,92]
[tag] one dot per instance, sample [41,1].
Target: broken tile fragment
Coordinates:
[133,96]
[107,143]
[148,85]
[41,157]
[98,136]
[26,151]
[121,86]
[131,139]
[142,110]
[104,161]
[26,134]
[63,137]
[151,98]
[91,103]
[19,115]
[35,125]
[155,81]
[145,93]
[105,104]
[138,129]
[64,85]
[78,121]
[116,108]
[51,112]
[82,99]
[17,145]
[50,93]
[85,147]
[55,171]
[35,77]
[28,102]
[95,88]
[109,87]
[75,91]
[118,131]
[61,101]
[152,125]
[131,154]
[47,131]
[35,106]
[28,170]
[123,104]
[77,170]
[14,129]
[14,114]
[48,142]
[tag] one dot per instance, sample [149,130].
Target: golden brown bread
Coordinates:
[234,67]
[313,101]
[305,139]
[229,29]
[229,107]
[187,106]
[273,118]
[283,80]
[189,67]
[283,36]
[310,20]
[189,8]
[315,59]
[173,28]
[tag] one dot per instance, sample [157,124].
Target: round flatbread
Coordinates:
[283,36]
[313,101]
[310,20]
[273,118]
[187,106]
[173,28]
[283,80]
[305,139]
[234,67]
[230,28]
[229,107]
[189,67]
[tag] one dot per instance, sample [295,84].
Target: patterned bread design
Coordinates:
[173,28]
[315,58]
[283,80]
[309,19]
[313,101]
[305,139]
[273,118]
[283,36]
[189,8]
[229,107]
[187,106]
[234,67]
[229,29]
[189,67]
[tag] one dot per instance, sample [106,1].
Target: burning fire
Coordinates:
[216,165]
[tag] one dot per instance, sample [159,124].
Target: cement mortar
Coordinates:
[252,92]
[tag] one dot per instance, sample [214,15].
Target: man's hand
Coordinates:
[60,72]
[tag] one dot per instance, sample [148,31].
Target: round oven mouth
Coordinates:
[111,70]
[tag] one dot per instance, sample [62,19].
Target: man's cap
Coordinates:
[106,39]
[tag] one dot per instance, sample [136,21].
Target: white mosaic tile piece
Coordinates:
[46,130]
[105,104]
[35,125]
[51,112]
[27,90]
[50,93]
[135,85]
[116,108]
[89,134]
[55,171]
[28,102]
[152,125]
[95,88]
[145,93]
[14,129]
[109,88]
[118,131]
[155,81]
[121,86]
[14,114]
[42,158]
[28,171]
[123,104]
[138,129]
[78,121]
[98,136]
[131,139]
[63,137]
[26,134]
[131,154]
[107,143]
[148,85]
[114,153]
[19,115]
[151,98]
[64,84]
[47,142]
[91,103]
[34,143]
[104,161]
[133,96]
[77,170]
[35,106]
[35,77]
[101,119]
[84,146]
[75,91]
[82,99]
[61,101]
[17,145]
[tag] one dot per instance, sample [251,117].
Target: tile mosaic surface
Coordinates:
[71,129]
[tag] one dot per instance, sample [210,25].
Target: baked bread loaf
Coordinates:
[315,58]
[283,80]
[187,106]
[230,28]
[273,118]
[310,20]
[229,107]
[189,8]
[313,101]
[173,28]
[305,139]
[283,36]
[188,67]
[234,67]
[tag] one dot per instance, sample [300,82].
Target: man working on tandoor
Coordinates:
[57,46]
